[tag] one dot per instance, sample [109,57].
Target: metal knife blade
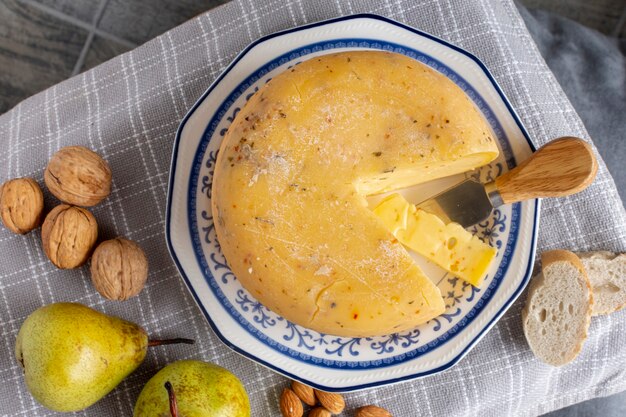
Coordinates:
[467,203]
[562,167]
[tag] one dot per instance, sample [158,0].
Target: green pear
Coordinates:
[73,355]
[190,388]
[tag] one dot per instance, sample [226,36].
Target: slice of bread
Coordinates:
[558,308]
[607,275]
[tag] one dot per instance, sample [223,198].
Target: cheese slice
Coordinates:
[292,173]
[448,245]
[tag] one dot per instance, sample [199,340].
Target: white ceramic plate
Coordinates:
[329,362]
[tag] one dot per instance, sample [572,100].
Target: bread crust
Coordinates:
[561,255]
[608,257]
[600,254]
[548,258]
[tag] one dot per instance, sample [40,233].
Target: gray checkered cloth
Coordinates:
[128,110]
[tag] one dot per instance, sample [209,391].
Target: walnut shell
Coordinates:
[21,205]
[78,176]
[119,269]
[68,235]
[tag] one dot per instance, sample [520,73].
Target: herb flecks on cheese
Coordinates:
[293,171]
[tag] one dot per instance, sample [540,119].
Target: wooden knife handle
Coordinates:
[561,167]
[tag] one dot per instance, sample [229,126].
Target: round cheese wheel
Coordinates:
[293,171]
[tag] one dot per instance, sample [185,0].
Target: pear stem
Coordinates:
[172,398]
[170,342]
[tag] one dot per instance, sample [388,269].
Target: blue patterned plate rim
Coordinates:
[196,297]
[226,107]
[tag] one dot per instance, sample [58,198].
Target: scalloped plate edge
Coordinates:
[347,385]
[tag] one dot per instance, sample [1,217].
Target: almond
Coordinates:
[319,412]
[331,401]
[304,392]
[290,404]
[372,411]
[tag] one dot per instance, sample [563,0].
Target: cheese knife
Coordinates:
[560,168]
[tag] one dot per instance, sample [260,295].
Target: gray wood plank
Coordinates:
[102,50]
[36,51]
[141,20]
[84,10]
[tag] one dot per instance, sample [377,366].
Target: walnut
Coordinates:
[78,176]
[119,269]
[68,235]
[21,205]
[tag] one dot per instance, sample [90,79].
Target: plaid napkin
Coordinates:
[128,110]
